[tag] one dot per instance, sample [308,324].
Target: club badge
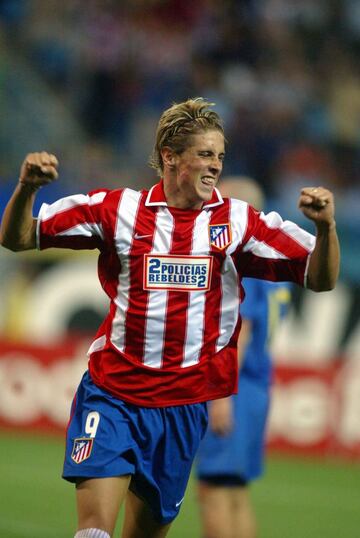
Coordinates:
[82,449]
[220,235]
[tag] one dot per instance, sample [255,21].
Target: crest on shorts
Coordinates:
[82,449]
[220,235]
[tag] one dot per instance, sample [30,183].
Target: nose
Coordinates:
[216,165]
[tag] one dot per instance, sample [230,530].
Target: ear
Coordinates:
[168,157]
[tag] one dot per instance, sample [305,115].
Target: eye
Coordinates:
[210,154]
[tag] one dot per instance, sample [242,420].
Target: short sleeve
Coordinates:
[274,249]
[73,222]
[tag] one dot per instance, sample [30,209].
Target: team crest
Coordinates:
[82,449]
[220,235]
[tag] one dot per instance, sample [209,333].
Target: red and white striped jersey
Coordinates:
[173,277]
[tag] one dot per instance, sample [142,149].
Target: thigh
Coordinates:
[170,439]
[99,500]
[216,514]
[139,520]
[99,441]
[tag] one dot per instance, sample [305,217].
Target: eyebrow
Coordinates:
[206,150]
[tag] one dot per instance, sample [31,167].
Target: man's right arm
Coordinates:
[18,226]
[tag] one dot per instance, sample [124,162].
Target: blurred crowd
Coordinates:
[284,74]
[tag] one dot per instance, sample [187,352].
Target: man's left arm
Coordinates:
[317,204]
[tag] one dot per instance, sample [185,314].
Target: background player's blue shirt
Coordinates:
[265,304]
[240,453]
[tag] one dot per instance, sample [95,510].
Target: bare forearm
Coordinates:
[18,226]
[317,204]
[243,340]
[325,260]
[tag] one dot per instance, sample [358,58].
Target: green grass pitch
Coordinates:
[297,498]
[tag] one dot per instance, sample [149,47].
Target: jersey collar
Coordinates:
[156,197]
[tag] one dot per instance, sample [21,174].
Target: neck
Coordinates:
[175,197]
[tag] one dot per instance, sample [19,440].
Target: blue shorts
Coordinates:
[237,458]
[109,437]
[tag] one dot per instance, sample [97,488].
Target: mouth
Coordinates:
[208,181]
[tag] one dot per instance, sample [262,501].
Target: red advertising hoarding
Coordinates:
[315,410]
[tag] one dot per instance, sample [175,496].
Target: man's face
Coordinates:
[198,169]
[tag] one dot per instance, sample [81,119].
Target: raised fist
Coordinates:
[38,169]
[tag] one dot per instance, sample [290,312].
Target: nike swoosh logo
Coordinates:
[138,236]
[178,504]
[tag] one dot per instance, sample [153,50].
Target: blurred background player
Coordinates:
[232,452]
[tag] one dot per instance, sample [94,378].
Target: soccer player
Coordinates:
[232,451]
[171,262]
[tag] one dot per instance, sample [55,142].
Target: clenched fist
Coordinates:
[317,204]
[38,169]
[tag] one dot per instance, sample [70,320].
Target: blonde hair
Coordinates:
[178,123]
